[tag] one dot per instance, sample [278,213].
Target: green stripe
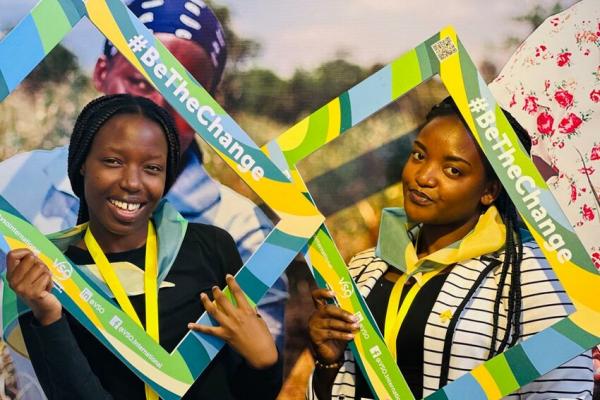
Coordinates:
[345,112]
[434,63]
[438,395]
[51,22]
[3,87]
[406,74]
[318,125]
[424,61]
[74,10]
[503,375]
[469,73]
[567,328]
[522,368]
[314,138]
[253,287]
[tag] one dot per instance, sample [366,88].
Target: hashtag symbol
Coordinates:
[478,105]
[137,43]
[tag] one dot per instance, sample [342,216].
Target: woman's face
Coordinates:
[444,181]
[124,174]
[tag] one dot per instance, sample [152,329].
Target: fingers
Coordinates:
[29,277]
[17,263]
[210,330]
[320,296]
[238,294]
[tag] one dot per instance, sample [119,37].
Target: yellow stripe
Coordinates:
[452,77]
[487,383]
[100,15]
[587,320]
[293,137]
[110,277]
[335,120]
[151,284]
[581,285]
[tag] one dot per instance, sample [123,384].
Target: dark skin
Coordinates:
[116,75]
[124,179]
[445,189]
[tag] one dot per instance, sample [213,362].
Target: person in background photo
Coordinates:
[193,34]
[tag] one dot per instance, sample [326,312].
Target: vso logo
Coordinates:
[64,269]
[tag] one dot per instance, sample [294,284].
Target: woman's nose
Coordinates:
[131,181]
[426,176]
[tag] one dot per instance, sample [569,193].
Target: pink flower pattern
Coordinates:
[552,87]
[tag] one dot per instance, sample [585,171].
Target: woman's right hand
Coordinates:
[330,328]
[31,280]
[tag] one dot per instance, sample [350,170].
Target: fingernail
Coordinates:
[203,295]
[350,335]
[228,276]
[189,326]
[353,318]
[355,326]
[215,288]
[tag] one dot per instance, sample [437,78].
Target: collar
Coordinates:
[170,231]
[395,242]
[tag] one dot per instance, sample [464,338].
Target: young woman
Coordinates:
[450,283]
[123,156]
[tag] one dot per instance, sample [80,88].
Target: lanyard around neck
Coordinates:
[150,285]
[396,312]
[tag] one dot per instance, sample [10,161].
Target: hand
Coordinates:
[31,280]
[239,326]
[330,328]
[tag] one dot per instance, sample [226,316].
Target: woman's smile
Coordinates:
[126,210]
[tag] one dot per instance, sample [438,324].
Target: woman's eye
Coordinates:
[417,155]
[453,171]
[154,168]
[111,161]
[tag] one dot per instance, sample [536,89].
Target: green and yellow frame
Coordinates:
[274,177]
[444,55]
[170,375]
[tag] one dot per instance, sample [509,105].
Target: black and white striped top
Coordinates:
[544,302]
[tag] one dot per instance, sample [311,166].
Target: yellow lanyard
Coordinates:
[150,285]
[396,313]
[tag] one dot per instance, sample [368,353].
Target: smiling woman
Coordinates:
[450,284]
[123,156]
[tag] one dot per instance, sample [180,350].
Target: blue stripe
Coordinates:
[269,262]
[211,344]
[20,52]
[545,361]
[371,94]
[466,387]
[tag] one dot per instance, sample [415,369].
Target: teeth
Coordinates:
[126,206]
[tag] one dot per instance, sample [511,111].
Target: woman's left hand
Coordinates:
[239,326]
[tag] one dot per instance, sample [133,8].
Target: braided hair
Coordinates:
[511,265]
[94,115]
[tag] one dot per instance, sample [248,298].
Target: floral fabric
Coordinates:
[551,85]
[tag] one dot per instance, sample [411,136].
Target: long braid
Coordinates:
[94,115]
[513,253]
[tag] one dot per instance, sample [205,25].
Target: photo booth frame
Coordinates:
[444,55]
[170,375]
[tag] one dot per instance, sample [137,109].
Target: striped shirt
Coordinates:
[544,302]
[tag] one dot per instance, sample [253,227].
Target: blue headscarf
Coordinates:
[186,19]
